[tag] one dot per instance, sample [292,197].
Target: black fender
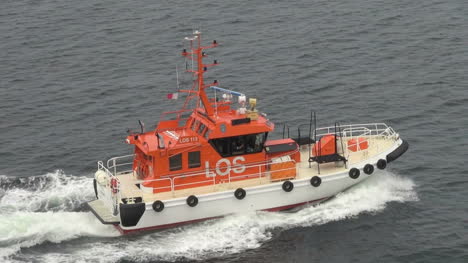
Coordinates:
[192,201]
[381,164]
[354,173]
[130,214]
[240,193]
[288,186]
[399,151]
[315,181]
[95,188]
[158,206]
[368,168]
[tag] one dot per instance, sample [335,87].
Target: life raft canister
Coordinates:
[114,184]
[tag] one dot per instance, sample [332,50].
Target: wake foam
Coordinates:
[50,192]
[26,229]
[39,209]
[237,233]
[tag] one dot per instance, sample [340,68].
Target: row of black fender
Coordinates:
[368,169]
[287,186]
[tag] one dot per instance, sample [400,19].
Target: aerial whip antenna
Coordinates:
[177,76]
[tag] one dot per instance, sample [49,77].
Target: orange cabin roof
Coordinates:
[220,126]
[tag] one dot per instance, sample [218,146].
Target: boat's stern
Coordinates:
[106,189]
[99,209]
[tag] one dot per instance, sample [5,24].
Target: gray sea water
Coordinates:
[74,75]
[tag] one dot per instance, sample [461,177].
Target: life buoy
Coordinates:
[354,173]
[288,186]
[315,181]
[368,168]
[158,206]
[240,193]
[192,201]
[114,184]
[381,164]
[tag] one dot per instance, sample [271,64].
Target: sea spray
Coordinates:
[26,229]
[50,192]
[232,234]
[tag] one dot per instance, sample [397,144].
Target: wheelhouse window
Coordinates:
[148,157]
[207,134]
[201,128]
[195,125]
[194,159]
[175,162]
[254,142]
[237,145]
[222,146]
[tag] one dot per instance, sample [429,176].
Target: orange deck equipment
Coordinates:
[325,146]
[282,168]
[358,144]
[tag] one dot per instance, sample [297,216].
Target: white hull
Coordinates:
[265,197]
[269,196]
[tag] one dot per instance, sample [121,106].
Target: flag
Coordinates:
[173,96]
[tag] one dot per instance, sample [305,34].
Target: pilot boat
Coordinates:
[213,158]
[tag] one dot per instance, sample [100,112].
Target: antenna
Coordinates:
[177,76]
[142,126]
[198,68]
[216,104]
[284,129]
[317,149]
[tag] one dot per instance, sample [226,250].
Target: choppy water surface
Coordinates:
[74,75]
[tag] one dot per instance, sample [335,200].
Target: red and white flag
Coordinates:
[173,96]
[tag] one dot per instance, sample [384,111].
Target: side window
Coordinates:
[222,146]
[194,159]
[258,141]
[175,162]
[207,134]
[195,125]
[201,128]
[148,157]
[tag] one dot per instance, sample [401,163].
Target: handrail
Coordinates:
[370,129]
[261,173]
[112,163]
[178,114]
[111,198]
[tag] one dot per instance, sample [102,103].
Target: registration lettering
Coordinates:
[224,167]
[188,139]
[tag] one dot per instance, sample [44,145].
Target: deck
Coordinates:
[377,145]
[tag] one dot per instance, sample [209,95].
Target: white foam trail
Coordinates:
[26,229]
[54,192]
[236,233]
[55,195]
